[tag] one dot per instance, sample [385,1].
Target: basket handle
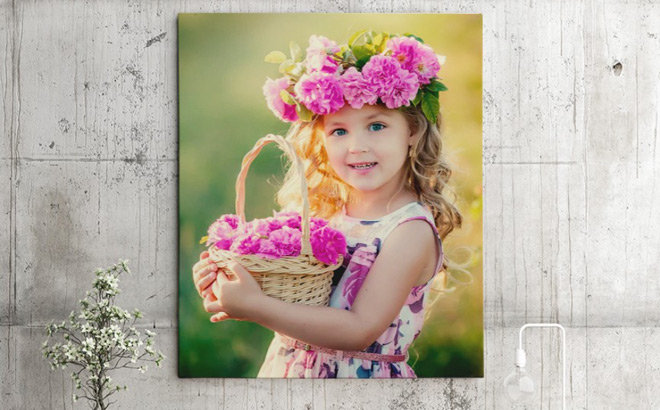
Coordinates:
[289,150]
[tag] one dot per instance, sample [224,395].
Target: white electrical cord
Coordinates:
[521,359]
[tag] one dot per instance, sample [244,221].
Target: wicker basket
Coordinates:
[301,279]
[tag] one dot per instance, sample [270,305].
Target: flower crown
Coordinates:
[373,67]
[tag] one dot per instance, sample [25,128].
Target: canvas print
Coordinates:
[330,207]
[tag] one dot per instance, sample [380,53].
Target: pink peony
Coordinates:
[415,57]
[221,232]
[317,223]
[277,237]
[274,224]
[287,241]
[230,219]
[247,243]
[328,244]
[357,91]
[260,226]
[394,85]
[290,219]
[282,110]
[428,67]
[319,55]
[267,249]
[321,93]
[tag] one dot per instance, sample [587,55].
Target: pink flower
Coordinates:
[317,223]
[319,55]
[394,85]
[357,91]
[247,243]
[267,249]
[221,232]
[274,224]
[321,93]
[276,237]
[282,110]
[328,244]
[428,67]
[415,57]
[260,226]
[291,219]
[287,241]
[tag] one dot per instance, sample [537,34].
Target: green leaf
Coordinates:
[385,36]
[361,62]
[436,85]
[378,39]
[287,97]
[276,57]
[295,71]
[303,113]
[286,66]
[361,52]
[418,97]
[430,106]
[355,36]
[296,52]
[348,56]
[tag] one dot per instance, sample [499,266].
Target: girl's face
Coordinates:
[368,147]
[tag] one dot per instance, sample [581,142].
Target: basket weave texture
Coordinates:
[301,279]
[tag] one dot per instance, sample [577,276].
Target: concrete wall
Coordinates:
[88,161]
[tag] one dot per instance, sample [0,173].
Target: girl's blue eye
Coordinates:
[376,127]
[339,131]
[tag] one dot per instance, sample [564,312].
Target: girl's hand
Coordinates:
[204,273]
[233,298]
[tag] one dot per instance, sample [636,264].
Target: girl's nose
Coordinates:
[357,145]
[357,149]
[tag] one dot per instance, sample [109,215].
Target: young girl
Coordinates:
[372,153]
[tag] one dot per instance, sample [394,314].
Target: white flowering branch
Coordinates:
[99,339]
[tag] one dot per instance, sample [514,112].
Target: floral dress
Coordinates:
[364,239]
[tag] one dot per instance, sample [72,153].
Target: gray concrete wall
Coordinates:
[88,161]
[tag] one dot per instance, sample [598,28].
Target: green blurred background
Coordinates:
[222,112]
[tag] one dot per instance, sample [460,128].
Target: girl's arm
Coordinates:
[404,258]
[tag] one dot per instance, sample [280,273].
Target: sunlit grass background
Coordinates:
[222,113]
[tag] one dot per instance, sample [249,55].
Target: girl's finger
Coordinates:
[236,270]
[206,292]
[203,255]
[203,263]
[211,306]
[215,286]
[221,276]
[197,267]
[205,282]
[219,317]
[203,271]
[206,270]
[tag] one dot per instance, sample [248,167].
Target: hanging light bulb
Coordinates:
[519,386]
